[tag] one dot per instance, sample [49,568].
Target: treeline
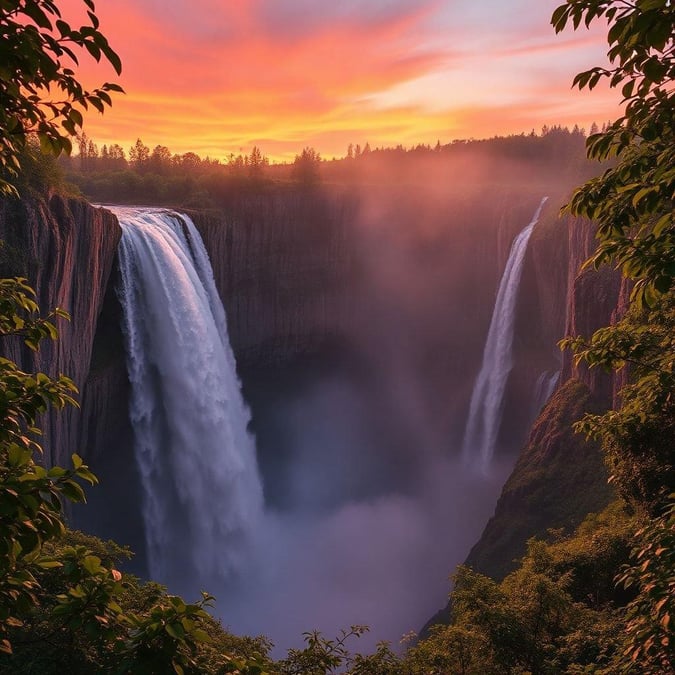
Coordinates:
[158,176]
[109,174]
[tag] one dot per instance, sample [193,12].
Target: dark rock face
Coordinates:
[283,263]
[380,275]
[65,248]
[393,289]
[558,479]
[559,476]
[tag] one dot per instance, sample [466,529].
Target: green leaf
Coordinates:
[92,564]
[175,630]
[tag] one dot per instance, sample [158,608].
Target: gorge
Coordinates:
[343,309]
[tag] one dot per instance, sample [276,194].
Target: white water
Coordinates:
[543,390]
[202,491]
[485,411]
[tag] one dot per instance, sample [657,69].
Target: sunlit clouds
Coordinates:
[219,76]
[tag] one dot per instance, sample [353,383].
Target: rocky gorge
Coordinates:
[389,291]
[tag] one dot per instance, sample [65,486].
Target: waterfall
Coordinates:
[202,492]
[485,411]
[543,390]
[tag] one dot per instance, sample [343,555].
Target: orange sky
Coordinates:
[220,76]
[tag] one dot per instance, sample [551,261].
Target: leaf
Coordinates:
[201,636]
[49,564]
[92,564]
[175,630]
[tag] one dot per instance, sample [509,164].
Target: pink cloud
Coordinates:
[213,75]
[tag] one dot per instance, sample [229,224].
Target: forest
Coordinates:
[598,599]
[141,175]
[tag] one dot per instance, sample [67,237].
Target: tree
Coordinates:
[39,91]
[632,204]
[139,154]
[306,166]
[256,163]
[650,614]
[160,159]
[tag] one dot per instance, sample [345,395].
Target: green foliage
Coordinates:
[637,438]
[323,656]
[457,648]
[320,655]
[557,612]
[40,172]
[651,613]
[30,495]
[63,604]
[633,201]
[88,617]
[39,91]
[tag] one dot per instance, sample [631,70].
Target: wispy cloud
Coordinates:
[216,77]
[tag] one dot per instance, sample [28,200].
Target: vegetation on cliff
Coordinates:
[542,617]
[40,94]
[599,600]
[111,175]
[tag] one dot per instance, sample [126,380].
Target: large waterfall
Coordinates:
[202,491]
[485,412]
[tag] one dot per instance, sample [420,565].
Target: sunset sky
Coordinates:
[220,76]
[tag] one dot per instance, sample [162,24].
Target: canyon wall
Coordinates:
[397,287]
[360,271]
[559,477]
[65,248]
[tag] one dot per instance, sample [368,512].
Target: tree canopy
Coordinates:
[632,204]
[39,90]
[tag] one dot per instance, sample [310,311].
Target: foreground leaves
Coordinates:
[39,91]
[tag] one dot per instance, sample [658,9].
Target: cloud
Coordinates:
[214,77]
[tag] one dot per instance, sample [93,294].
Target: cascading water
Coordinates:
[202,490]
[485,411]
[543,390]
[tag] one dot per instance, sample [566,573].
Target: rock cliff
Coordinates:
[66,249]
[559,477]
[369,281]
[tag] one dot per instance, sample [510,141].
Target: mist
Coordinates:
[369,505]
[358,420]
[383,562]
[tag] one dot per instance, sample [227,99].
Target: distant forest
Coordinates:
[109,174]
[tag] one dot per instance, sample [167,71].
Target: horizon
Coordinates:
[220,78]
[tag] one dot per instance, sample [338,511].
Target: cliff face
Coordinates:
[283,263]
[372,281]
[65,248]
[380,275]
[559,477]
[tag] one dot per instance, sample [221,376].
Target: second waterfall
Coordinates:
[487,399]
[202,494]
